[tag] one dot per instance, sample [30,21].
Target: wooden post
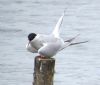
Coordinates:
[43,71]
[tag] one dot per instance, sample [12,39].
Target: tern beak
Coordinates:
[28,42]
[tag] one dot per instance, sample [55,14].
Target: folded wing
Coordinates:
[49,49]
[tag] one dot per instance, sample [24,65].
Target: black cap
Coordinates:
[31,36]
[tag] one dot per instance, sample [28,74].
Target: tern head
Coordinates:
[31,36]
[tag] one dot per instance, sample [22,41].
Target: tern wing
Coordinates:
[56,30]
[49,49]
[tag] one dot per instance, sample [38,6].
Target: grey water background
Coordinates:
[76,65]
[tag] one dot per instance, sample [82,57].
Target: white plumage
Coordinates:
[49,45]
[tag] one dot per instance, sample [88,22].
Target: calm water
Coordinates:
[77,65]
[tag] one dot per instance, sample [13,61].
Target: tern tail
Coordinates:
[56,30]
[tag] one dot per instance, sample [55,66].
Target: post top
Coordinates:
[44,58]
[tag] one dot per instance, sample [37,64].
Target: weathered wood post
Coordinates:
[43,71]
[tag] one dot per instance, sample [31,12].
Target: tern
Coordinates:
[49,45]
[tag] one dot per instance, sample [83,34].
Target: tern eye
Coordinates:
[31,36]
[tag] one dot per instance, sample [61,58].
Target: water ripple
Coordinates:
[10,30]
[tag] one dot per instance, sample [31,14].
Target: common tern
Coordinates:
[49,45]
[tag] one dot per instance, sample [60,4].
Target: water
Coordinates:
[77,65]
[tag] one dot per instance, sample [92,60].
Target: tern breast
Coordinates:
[36,43]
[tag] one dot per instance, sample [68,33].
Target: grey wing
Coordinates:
[49,49]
